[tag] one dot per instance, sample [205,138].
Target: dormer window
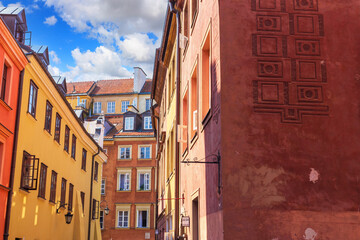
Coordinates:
[147,123]
[129,123]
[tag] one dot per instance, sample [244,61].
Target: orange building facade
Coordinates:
[12,63]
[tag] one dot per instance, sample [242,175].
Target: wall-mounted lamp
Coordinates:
[68,216]
[106,209]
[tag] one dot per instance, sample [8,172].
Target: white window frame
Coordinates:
[111,107]
[124,105]
[147,104]
[129,121]
[140,208]
[120,147]
[122,208]
[147,123]
[126,172]
[145,146]
[96,107]
[103,184]
[147,182]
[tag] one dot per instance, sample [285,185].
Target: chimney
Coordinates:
[139,79]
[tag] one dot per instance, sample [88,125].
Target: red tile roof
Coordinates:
[114,86]
[80,87]
[147,87]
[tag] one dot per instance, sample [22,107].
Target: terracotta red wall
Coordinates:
[113,197]
[8,109]
[290,83]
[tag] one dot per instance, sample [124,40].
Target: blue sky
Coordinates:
[95,39]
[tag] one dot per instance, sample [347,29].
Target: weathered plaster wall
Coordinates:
[290,119]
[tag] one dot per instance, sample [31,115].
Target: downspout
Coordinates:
[13,162]
[177,150]
[156,133]
[91,190]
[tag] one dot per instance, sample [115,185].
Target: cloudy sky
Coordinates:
[96,39]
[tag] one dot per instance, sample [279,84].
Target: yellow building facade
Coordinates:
[164,93]
[58,167]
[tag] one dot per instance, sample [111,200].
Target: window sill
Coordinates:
[193,23]
[83,170]
[194,140]
[123,228]
[145,159]
[5,105]
[23,190]
[52,202]
[206,119]
[32,116]
[143,190]
[185,153]
[67,151]
[124,159]
[123,190]
[41,198]
[141,228]
[47,132]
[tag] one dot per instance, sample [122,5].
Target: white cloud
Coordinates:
[54,57]
[129,15]
[120,26]
[102,63]
[51,21]
[137,47]
[54,71]
[29,9]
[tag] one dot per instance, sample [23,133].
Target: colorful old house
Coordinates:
[266,128]
[12,63]
[58,165]
[165,95]
[120,118]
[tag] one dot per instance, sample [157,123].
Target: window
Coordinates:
[96,171]
[147,123]
[42,181]
[63,192]
[73,147]
[97,132]
[123,219]
[48,114]
[124,181]
[3,83]
[125,152]
[97,107]
[82,195]
[144,181]
[83,161]
[142,218]
[101,219]
[124,106]
[83,103]
[57,128]
[194,11]
[194,103]
[95,209]
[183,130]
[195,217]
[29,173]
[205,78]
[66,139]
[111,107]
[145,152]
[53,186]
[103,186]
[71,194]
[32,99]
[148,104]
[129,123]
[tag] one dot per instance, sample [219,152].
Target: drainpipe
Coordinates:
[91,190]
[177,150]
[13,162]
[157,134]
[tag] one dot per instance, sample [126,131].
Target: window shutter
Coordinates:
[195,119]
[182,134]
[30,172]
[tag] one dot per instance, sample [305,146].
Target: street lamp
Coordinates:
[106,209]
[68,217]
